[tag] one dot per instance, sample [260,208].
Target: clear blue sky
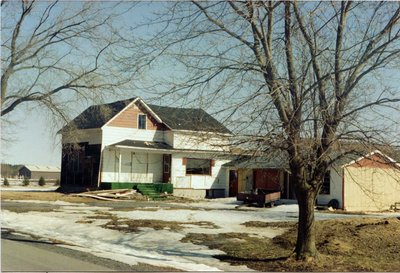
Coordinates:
[33,139]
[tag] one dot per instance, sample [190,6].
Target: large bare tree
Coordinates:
[298,77]
[55,52]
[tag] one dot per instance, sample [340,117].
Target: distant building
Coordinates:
[35,172]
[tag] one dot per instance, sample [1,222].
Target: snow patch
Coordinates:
[31,188]
[159,248]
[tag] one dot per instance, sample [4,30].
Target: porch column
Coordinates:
[119,165]
[147,167]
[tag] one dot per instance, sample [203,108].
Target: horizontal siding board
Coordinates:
[198,141]
[371,189]
[112,135]
[129,119]
[217,180]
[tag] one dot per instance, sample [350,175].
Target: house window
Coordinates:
[198,166]
[142,122]
[326,185]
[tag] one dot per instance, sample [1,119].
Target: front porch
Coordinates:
[130,162]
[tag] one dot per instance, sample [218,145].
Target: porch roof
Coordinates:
[159,147]
[249,162]
[143,144]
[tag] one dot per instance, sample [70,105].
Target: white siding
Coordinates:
[93,136]
[135,167]
[336,188]
[199,141]
[109,172]
[113,135]
[169,138]
[217,180]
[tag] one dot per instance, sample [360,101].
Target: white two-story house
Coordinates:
[121,144]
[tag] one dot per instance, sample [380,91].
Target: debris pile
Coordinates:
[113,195]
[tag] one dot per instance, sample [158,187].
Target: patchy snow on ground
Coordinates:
[159,248]
[31,188]
[70,224]
[131,248]
[58,202]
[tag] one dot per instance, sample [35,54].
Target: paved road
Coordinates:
[17,255]
[20,253]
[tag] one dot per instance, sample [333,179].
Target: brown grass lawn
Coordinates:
[57,196]
[357,244]
[43,196]
[362,244]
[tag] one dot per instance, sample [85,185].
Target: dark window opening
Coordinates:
[142,122]
[198,166]
[326,185]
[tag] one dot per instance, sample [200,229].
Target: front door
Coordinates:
[233,183]
[166,168]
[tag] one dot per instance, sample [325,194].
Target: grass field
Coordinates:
[362,244]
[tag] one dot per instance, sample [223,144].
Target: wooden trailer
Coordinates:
[261,197]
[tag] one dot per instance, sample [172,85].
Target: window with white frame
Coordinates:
[142,121]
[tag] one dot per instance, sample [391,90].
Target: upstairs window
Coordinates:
[142,122]
[198,166]
[326,185]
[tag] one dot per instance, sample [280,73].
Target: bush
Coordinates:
[6,183]
[57,183]
[41,182]
[25,182]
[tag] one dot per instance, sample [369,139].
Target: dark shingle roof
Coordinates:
[188,119]
[97,115]
[176,118]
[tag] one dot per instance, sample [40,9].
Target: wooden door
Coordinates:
[233,183]
[166,168]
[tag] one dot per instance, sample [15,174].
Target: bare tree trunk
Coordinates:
[305,245]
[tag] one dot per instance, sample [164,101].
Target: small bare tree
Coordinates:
[298,77]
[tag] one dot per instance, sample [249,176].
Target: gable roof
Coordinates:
[386,158]
[175,118]
[38,168]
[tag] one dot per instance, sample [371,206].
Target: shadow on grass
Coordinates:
[240,259]
[10,236]
[29,241]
